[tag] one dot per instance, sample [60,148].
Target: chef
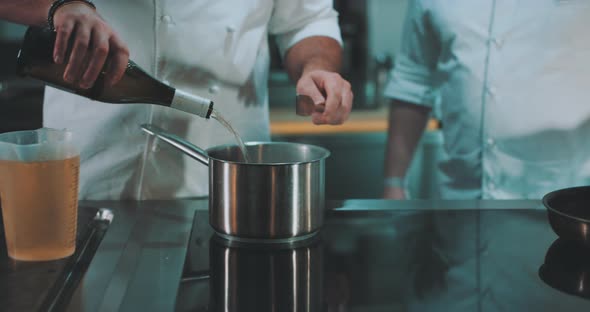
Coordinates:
[216,49]
[511,79]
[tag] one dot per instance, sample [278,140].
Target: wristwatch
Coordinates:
[395,182]
[398,182]
[59,3]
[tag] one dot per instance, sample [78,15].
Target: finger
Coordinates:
[333,100]
[98,54]
[318,118]
[345,108]
[118,63]
[347,97]
[62,38]
[79,51]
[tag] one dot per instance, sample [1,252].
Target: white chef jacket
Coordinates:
[512,77]
[217,49]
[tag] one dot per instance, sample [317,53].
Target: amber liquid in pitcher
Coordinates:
[40,207]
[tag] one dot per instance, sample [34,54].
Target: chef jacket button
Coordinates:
[491,185]
[214,89]
[155,146]
[230,28]
[492,91]
[491,142]
[499,43]
[166,19]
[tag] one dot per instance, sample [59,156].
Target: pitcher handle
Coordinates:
[187,148]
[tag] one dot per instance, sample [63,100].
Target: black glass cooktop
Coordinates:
[47,285]
[394,260]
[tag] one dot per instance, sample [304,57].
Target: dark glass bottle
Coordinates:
[35,59]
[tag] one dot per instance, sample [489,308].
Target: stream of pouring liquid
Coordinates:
[217,116]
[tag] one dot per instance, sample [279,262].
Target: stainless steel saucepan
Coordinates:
[277,197]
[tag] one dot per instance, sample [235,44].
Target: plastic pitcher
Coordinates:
[39,173]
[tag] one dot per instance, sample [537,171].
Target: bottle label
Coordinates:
[192,104]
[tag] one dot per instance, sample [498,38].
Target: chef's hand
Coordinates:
[330,93]
[93,43]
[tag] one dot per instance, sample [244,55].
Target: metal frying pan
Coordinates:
[569,213]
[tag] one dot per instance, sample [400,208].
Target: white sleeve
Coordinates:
[413,76]
[294,20]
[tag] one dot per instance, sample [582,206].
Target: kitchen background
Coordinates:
[371,32]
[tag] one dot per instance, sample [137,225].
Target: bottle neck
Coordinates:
[191,103]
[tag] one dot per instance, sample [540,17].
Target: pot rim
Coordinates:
[325,153]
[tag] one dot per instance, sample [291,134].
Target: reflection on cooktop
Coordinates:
[567,268]
[403,260]
[259,278]
[48,285]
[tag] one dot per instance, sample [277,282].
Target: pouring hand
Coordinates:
[92,41]
[328,89]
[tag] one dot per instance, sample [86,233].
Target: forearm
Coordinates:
[406,125]
[313,53]
[27,12]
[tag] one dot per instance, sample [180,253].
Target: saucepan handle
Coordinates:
[187,148]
